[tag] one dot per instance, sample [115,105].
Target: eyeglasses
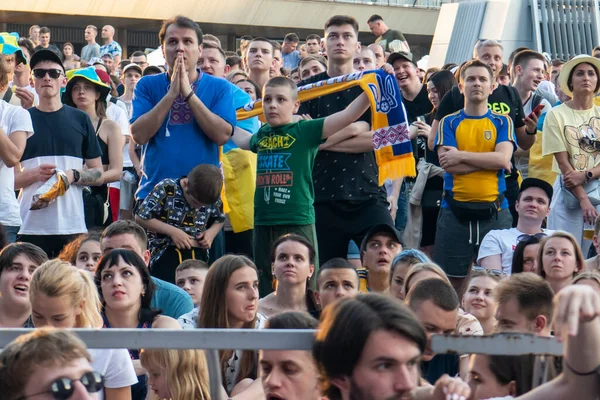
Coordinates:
[495,272]
[63,388]
[527,236]
[53,73]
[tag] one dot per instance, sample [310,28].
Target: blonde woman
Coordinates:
[560,259]
[63,296]
[177,374]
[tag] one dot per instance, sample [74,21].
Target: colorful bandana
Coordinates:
[391,141]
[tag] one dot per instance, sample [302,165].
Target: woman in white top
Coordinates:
[571,133]
[64,296]
[230,300]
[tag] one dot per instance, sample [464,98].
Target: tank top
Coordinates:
[102,190]
[139,391]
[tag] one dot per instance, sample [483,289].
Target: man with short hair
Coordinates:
[474,185]
[528,72]
[524,305]
[91,49]
[181,118]
[379,54]
[336,279]
[44,42]
[311,66]
[503,100]
[533,206]
[173,301]
[369,347]
[110,46]
[50,363]
[436,306]
[234,63]
[313,44]
[348,199]
[259,60]
[291,56]
[385,35]
[377,251]
[212,39]
[275,68]
[109,62]
[140,58]
[64,140]
[364,60]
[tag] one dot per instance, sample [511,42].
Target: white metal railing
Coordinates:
[212,340]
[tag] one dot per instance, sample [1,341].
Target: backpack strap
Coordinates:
[113,100]
[8,95]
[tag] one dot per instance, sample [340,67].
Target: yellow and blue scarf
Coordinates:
[391,142]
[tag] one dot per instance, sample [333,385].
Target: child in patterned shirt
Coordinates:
[182,217]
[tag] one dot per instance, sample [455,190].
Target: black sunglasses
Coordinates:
[41,73]
[527,236]
[495,272]
[585,141]
[63,388]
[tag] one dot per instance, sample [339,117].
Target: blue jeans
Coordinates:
[11,233]
[402,213]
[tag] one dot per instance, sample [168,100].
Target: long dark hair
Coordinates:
[514,368]
[518,255]
[112,258]
[443,81]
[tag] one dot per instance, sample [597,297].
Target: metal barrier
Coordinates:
[398,3]
[213,340]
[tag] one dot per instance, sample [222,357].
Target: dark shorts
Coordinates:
[457,242]
[51,244]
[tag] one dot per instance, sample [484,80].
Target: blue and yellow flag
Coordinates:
[389,123]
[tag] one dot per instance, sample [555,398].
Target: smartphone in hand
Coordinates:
[536,110]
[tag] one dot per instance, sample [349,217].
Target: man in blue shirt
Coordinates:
[183,116]
[291,56]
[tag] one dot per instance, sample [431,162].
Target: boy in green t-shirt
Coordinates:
[284,197]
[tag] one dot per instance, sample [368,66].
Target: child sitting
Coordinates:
[190,276]
[182,217]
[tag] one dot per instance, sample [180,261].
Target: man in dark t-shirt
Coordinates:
[503,100]
[348,200]
[385,35]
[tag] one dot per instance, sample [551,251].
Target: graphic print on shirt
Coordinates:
[587,138]
[272,168]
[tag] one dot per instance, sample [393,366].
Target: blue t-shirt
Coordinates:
[291,60]
[172,300]
[180,144]
[240,99]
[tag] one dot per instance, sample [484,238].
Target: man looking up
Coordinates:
[110,46]
[260,58]
[184,116]
[378,250]
[91,49]
[348,199]
[474,184]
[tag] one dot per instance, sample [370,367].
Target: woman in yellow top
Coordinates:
[572,135]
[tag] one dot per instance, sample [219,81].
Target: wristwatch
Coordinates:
[76,175]
[589,175]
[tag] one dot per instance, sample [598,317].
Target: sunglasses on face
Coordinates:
[63,388]
[585,141]
[526,236]
[495,272]
[41,73]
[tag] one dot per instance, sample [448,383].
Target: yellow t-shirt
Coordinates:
[575,131]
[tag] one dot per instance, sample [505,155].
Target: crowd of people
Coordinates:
[139,196]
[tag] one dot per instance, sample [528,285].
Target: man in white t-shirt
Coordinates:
[15,128]
[533,206]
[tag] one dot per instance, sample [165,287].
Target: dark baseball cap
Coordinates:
[45,55]
[537,183]
[381,228]
[401,55]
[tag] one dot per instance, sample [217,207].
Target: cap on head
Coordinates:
[45,55]
[380,229]
[402,55]
[132,66]
[537,183]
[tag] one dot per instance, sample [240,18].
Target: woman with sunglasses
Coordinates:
[532,207]
[560,259]
[570,134]
[525,258]
[63,296]
[48,364]
[88,93]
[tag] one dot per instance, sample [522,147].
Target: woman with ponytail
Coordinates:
[63,296]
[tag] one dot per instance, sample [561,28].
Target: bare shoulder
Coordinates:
[165,322]
[267,306]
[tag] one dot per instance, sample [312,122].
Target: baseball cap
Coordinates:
[131,66]
[401,55]
[380,228]
[107,55]
[45,55]
[537,183]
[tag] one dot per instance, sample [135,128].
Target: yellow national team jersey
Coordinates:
[475,135]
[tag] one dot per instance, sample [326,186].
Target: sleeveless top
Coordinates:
[139,391]
[102,143]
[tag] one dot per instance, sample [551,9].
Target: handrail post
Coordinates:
[214,374]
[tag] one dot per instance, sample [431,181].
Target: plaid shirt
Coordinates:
[167,204]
